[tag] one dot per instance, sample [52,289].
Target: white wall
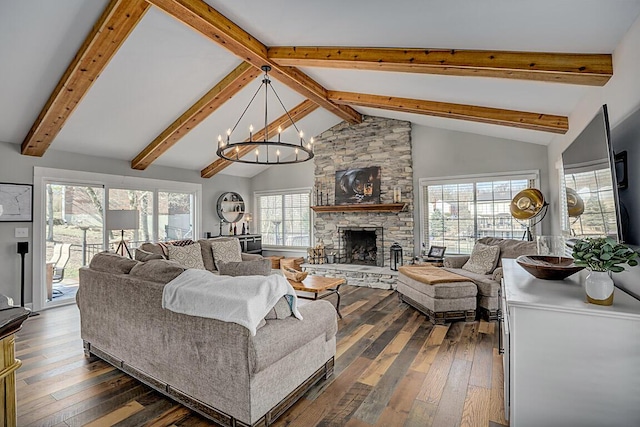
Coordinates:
[622,96]
[16,168]
[440,153]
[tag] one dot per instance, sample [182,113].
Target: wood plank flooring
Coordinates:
[393,368]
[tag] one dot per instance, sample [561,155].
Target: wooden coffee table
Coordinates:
[321,287]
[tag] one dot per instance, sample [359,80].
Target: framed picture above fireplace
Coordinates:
[359,185]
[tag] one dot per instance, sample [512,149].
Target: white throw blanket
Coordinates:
[243,300]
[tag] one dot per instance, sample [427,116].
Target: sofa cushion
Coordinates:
[226,251]
[188,256]
[276,340]
[483,259]
[142,255]
[281,310]
[486,285]
[157,270]
[110,262]
[510,248]
[259,267]
[154,248]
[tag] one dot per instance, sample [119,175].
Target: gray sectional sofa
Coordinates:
[214,367]
[489,284]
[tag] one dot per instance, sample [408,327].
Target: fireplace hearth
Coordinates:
[361,246]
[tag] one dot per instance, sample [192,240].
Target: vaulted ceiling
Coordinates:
[155,81]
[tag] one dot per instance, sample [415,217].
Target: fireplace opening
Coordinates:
[361,246]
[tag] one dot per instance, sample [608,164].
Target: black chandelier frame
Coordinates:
[298,152]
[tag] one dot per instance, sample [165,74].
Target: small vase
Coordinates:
[599,288]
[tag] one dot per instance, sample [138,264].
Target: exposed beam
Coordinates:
[233,83]
[298,112]
[109,33]
[495,116]
[575,68]
[212,24]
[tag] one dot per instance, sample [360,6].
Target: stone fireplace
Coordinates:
[359,245]
[376,142]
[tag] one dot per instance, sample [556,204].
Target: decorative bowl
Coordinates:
[548,267]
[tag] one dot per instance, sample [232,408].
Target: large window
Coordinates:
[457,212]
[284,218]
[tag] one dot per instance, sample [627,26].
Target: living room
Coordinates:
[163,67]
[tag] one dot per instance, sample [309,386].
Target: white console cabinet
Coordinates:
[567,362]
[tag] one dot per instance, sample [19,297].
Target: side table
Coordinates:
[317,284]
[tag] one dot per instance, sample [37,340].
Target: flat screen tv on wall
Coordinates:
[592,207]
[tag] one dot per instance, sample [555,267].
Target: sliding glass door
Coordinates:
[73,227]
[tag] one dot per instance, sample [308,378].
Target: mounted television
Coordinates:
[592,208]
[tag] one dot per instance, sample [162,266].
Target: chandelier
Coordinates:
[262,151]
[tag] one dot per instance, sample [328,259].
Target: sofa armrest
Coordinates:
[250,257]
[455,261]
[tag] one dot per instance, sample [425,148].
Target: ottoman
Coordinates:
[441,295]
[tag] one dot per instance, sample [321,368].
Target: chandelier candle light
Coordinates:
[285,152]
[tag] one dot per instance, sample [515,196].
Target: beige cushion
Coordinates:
[510,248]
[157,270]
[142,255]
[259,267]
[281,310]
[112,263]
[187,256]
[226,251]
[483,259]
[154,248]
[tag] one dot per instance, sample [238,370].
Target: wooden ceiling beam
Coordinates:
[233,83]
[298,112]
[495,116]
[109,33]
[201,17]
[574,68]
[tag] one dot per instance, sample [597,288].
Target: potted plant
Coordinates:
[602,256]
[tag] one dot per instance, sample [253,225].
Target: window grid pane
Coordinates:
[457,215]
[285,219]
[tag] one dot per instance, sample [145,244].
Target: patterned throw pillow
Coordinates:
[483,259]
[187,256]
[226,251]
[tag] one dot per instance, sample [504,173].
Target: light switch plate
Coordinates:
[22,232]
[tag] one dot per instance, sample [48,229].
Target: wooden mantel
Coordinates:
[379,207]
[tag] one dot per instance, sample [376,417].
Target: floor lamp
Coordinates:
[122,220]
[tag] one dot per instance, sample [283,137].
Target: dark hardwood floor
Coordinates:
[393,368]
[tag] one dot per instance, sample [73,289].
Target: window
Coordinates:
[175,215]
[284,218]
[457,212]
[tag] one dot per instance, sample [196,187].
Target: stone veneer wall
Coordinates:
[376,141]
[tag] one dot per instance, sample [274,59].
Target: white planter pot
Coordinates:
[599,288]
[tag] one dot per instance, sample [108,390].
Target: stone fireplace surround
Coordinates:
[376,141]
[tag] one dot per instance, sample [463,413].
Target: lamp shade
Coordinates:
[122,219]
[527,204]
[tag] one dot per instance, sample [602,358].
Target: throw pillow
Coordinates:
[142,255]
[157,270]
[187,256]
[226,251]
[112,263]
[281,310]
[483,259]
[259,267]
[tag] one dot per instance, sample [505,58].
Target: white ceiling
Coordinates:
[164,66]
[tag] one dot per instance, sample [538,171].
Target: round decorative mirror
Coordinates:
[230,207]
